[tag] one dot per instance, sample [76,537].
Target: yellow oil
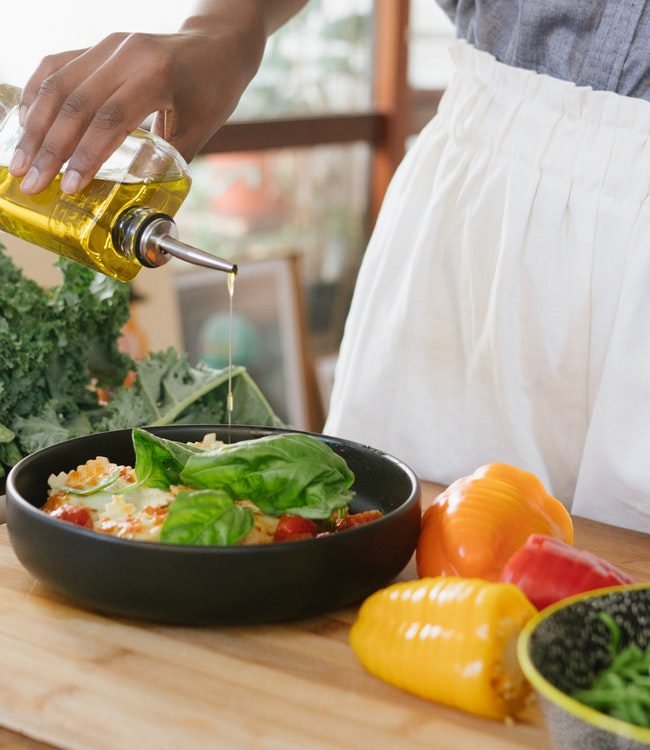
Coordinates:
[230,402]
[79,226]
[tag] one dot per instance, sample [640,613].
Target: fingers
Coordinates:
[45,93]
[112,122]
[46,154]
[86,131]
[47,67]
[41,81]
[85,109]
[79,106]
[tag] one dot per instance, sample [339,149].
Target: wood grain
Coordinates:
[79,680]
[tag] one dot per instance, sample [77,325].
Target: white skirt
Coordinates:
[502,311]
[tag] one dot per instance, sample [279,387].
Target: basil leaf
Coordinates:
[159,462]
[287,473]
[205,517]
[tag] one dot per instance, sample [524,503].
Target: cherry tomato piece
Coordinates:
[77,514]
[352,520]
[294,527]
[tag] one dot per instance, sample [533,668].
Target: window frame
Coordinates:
[395,113]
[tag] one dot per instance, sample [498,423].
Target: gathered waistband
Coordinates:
[598,139]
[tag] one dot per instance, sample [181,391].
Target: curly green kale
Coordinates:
[54,343]
[59,346]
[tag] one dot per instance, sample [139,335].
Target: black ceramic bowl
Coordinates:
[195,585]
[565,646]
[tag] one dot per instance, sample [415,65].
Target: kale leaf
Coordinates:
[59,346]
[55,343]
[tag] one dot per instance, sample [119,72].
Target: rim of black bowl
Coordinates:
[555,695]
[251,549]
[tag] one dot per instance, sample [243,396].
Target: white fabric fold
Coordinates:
[502,311]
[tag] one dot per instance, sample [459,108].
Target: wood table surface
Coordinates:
[74,679]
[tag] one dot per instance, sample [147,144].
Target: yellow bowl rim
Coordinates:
[556,696]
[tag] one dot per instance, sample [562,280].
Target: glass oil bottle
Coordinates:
[121,222]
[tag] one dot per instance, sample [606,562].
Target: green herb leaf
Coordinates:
[9,453]
[288,473]
[58,345]
[159,462]
[205,517]
[167,390]
[621,689]
[51,425]
[6,435]
[53,344]
[614,631]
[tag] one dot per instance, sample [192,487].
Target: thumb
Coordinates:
[186,142]
[159,125]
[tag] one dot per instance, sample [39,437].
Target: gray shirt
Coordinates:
[604,44]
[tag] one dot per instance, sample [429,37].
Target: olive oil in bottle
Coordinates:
[121,222]
[80,226]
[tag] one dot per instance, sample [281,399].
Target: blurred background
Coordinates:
[289,188]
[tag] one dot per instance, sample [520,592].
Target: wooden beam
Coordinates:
[391,93]
[298,131]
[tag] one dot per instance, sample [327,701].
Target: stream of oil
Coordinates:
[229,399]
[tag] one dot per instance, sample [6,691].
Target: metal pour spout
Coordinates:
[152,238]
[178,249]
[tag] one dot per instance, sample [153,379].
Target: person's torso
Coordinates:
[599,43]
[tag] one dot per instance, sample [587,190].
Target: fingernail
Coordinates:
[30,180]
[22,115]
[17,161]
[71,182]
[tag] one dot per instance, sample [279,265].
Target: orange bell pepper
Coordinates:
[450,640]
[479,521]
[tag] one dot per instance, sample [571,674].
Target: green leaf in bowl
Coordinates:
[206,517]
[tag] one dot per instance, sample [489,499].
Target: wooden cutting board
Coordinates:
[79,680]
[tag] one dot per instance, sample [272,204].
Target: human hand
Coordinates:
[79,105]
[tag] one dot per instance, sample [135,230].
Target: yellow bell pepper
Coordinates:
[476,525]
[448,639]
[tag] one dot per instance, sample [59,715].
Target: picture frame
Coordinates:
[270,332]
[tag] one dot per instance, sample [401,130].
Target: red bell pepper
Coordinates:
[547,569]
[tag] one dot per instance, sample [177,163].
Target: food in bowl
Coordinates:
[210,584]
[622,688]
[271,489]
[565,648]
